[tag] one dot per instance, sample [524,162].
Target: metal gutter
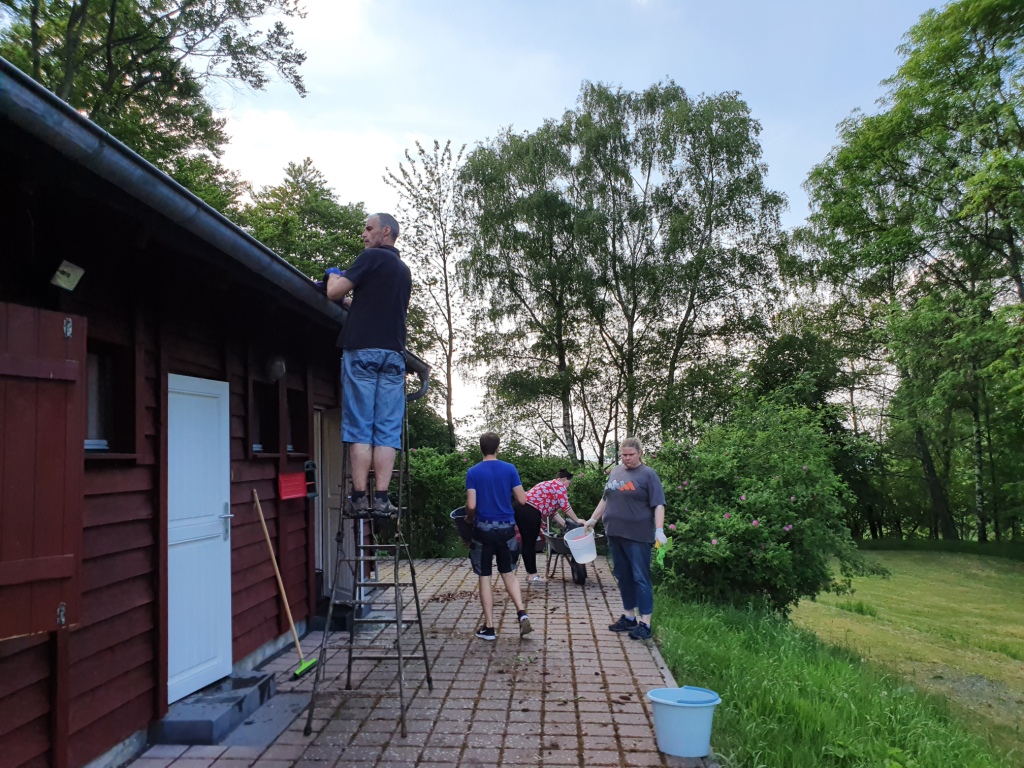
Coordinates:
[40,113]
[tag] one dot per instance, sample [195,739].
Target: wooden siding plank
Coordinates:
[97,637]
[111,539]
[261,592]
[28,744]
[37,569]
[28,667]
[108,665]
[93,705]
[132,716]
[109,509]
[104,480]
[30,703]
[18,366]
[118,598]
[265,612]
[120,566]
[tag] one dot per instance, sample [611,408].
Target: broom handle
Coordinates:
[277,573]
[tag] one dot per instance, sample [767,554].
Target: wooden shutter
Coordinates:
[42,432]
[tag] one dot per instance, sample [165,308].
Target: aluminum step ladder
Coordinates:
[387,597]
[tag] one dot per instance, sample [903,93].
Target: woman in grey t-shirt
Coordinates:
[633,510]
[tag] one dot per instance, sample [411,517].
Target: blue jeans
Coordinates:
[373,397]
[631,564]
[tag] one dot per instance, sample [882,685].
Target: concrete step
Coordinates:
[209,715]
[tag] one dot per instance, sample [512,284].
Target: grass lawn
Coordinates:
[951,624]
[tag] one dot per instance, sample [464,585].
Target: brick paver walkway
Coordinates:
[569,694]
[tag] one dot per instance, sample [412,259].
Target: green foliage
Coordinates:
[428,197]
[789,700]
[756,511]
[138,70]
[427,429]
[621,245]
[302,221]
[859,607]
[438,487]
[1006,549]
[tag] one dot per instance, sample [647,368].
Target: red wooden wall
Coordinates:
[116,656]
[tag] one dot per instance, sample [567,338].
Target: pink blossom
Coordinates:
[671,526]
[714,541]
[792,498]
[685,482]
[607,471]
[727,515]
[805,467]
[754,523]
[743,497]
[465,461]
[679,487]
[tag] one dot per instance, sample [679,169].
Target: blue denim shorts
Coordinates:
[372,397]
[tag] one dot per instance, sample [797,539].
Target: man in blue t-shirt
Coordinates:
[490,486]
[372,361]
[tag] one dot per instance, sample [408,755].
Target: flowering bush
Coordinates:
[758,512]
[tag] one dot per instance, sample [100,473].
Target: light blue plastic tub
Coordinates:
[682,719]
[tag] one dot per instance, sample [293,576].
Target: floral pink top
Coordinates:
[548,498]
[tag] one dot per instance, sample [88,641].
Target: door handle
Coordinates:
[226,517]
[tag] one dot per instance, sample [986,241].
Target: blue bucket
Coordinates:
[682,719]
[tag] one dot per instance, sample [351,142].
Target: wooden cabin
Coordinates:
[157,365]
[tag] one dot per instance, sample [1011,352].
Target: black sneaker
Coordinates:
[357,510]
[623,624]
[485,633]
[641,631]
[383,508]
[525,627]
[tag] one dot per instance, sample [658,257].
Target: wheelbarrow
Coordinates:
[558,548]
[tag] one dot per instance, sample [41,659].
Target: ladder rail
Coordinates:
[376,553]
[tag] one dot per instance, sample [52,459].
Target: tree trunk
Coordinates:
[72,42]
[997,527]
[33,21]
[940,505]
[979,468]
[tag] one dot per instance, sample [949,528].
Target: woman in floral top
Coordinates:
[545,500]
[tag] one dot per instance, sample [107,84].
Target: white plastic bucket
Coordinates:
[682,719]
[582,545]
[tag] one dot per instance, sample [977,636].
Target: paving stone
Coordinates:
[572,694]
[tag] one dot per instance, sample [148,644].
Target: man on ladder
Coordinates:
[372,363]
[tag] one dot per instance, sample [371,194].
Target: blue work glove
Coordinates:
[333,271]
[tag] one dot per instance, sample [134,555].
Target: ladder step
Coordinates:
[386,621]
[381,657]
[385,584]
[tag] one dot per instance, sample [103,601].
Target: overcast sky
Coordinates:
[384,74]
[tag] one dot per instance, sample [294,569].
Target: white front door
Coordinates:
[199,534]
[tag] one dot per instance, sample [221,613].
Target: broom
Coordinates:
[304,664]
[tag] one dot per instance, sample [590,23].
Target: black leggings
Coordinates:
[528,520]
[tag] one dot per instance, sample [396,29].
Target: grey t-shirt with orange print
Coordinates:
[630,496]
